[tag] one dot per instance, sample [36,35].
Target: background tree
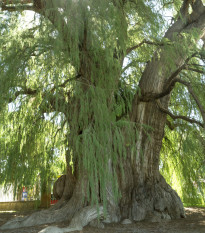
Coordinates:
[108,72]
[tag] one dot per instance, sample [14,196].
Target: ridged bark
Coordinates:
[144,192]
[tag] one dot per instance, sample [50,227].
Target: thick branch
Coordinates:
[198,9]
[174,125]
[153,96]
[170,83]
[169,124]
[25,91]
[17,8]
[184,11]
[6,2]
[174,117]
[19,5]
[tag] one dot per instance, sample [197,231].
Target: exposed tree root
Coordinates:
[80,219]
[156,202]
[50,215]
[151,201]
[37,218]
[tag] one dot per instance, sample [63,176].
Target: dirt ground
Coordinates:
[194,223]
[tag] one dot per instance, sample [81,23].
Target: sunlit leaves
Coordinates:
[70,85]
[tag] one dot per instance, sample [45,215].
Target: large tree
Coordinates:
[106,72]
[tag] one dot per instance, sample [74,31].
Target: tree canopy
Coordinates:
[70,76]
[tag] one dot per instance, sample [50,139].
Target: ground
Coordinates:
[194,223]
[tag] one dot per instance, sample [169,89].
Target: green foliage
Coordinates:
[64,87]
[182,164]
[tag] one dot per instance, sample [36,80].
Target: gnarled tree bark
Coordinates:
[144,192]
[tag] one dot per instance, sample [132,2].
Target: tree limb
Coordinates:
[66,81]
[17,8]
[49,103]
[59,129]
[170,125]
[170,83]
[47,9]
[18,5]
[195,70]
[129,50]
[191,91]
[25,91]
[184,11]
[6,2]
[153,96]
[176,72]
[174,117]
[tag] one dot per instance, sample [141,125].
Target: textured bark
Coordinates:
[64,186]
[144,192]
[58,187]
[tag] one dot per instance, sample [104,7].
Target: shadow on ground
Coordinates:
[194,223]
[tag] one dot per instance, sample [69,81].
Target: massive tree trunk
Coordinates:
[144,193]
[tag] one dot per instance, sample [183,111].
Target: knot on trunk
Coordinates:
[63,187]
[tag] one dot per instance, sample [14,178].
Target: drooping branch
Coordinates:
[167,91]
[193,94]
[47,9]
[195,70]
[60,129]
[175,117]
